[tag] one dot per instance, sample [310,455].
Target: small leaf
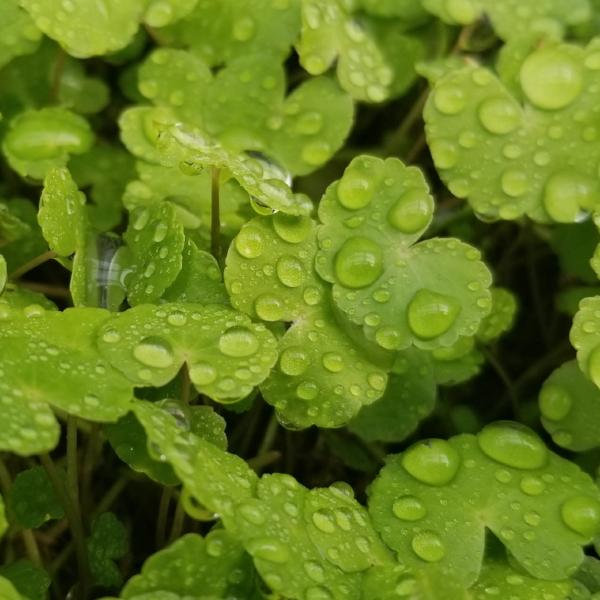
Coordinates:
[30,581]
[19,33]
[38,140]
[33,500]
[585,337]
[501,318]
[61,214]
[226,354]
[8,591]
[570,407]
[542,507]
[107,543]
[11,226]
[198,567]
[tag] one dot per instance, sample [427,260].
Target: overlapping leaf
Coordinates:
[28,579]
[402,293]
[585,337]
[107,543]
[19,33]
[433,503]
[510,158]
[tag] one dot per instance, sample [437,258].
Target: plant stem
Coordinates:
[32,264]
[73,516]
[57,73]
[185,384]
[269,436]
[111,495]
[163,511]
[506,380]
[56,291]
[215,218]
[178,521]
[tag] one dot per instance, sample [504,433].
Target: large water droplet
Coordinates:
[449,99]
[582,514]
[202,373]
[293,361]
[290,271]
[428,546]
[412,212]
[269,549]
[269,307]
[323,521]
[154,352]
[238,342]
[314,570]
[566,193]
[555,402]
[290,228]
[318,593]
[356,189]
[359,262]
[249,242]
[409,508]
[434,461]
[551,78]
[532,486]
[333,362]
[513,444]
[499,115]
[431,314]
[251,513]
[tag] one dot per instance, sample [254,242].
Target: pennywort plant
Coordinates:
[299,299]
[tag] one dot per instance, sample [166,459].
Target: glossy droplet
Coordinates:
[243,29]
[513,444]
[154,352]
[431,314]
[294,361]
[388,338]
[582,515]
[566,193]
[323,521]
[355,189]
[555,402]
[314,570]
[551,78]
[290,271]
[177,319]
[406,587]
[333,362]
[428,546]
[434,462]
[251,513]
[412,212]
[269,307]
[449,99]
[249,242]
[318,593]
[514,182]
[444,153]
[499,115]
[290,228]
[359,262]
[532,486]
[409,508]
[307,390]
[269,549]
[111,336]
[238,342]
[202,373]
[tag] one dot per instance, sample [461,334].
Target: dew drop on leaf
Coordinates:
[238,342]
[434,462]
[359,262]
[513,444]
[409,508]
[154,352]
[412,212]
[428,546]
[268,549]
[431,314]
[499,115]
[555,402]
[582,515]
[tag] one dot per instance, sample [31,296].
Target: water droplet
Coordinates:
[566,193]
[252,514]
[333,362]
[160,232]
[444,153]
[434,461]
[388,338]
[309,123]
[294,361]
[269,307]
[551,78]
[513,444]
[499,115]
[243,29]
[238,342]
[154,352]
[202,373]
[409,508]
[412,212]
[532,486]
[314,570]
[311,296]
[428,546]
[555,402]
[406,586]
[141,218]
[431,314]
[582,515]
[269,549]
[307,390]
[317,593]
[532,518]
[290,271]
[449,99]
[359,262]
[514,182]
[91,400]
[323,521]
[111,336]
[356,189]
[249,242]
[177,319]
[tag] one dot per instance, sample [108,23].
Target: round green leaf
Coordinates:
[402,293]
[107,543]
[586,339]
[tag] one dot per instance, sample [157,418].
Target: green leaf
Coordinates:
[513,18]
[22,298]
[199,281]
[38,140]
[87,28]
[107,543]
[501,318]
[29,580]
[329,32]
[225,352]
[8,591]
[408,399]
[198,567]
[12,228]
[220,32]
[585,337]
[194,151]
[273,529]
[412,13]
[33,500]
[475,127]
[542,507]
[3,273]
[164,12]
[50,357]
[61,214]
[212,477]
[156,240]
[456,363]
[19,33]
[570,407]
[427,294]
[83,94]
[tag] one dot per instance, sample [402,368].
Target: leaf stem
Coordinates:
[163,511]
[178,520]
[73,516]
[32,264]
[269,436]
[215,218]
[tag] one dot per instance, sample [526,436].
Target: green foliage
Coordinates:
[106,544]
[30,581]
